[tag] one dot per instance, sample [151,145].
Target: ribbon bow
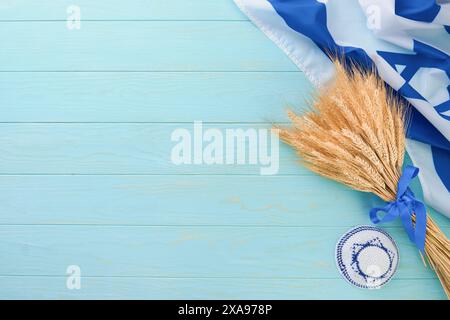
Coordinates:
[404,206]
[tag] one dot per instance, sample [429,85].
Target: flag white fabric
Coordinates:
[409,43]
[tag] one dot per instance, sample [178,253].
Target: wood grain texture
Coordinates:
[139,46]
[32,287]
[147,97]
[295,201]
[20,10]
[188,251]
[119,148]
[179,200]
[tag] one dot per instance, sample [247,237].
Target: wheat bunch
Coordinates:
[354,133]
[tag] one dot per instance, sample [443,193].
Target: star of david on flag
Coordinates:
[408,41]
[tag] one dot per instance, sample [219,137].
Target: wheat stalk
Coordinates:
[354,133]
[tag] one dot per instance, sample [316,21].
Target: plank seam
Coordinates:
[197,226]
[198,277]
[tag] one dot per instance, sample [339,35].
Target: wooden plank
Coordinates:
[183,200]
[36,287]
[210,251]
[119,148]
[147,97]
[179,200]
[118,10]
[139,46]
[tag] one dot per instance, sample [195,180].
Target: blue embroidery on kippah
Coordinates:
[343,268]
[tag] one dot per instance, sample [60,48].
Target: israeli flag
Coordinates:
[409,43]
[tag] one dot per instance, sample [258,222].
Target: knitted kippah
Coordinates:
[367,257]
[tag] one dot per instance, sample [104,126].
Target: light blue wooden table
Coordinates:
[86,177]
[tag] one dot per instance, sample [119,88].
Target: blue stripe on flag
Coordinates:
[420,129]
[441,160]
[309,18]
[419,10]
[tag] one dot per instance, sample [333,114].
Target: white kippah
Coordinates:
[367,257]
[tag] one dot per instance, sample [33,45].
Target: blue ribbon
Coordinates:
[404,206]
